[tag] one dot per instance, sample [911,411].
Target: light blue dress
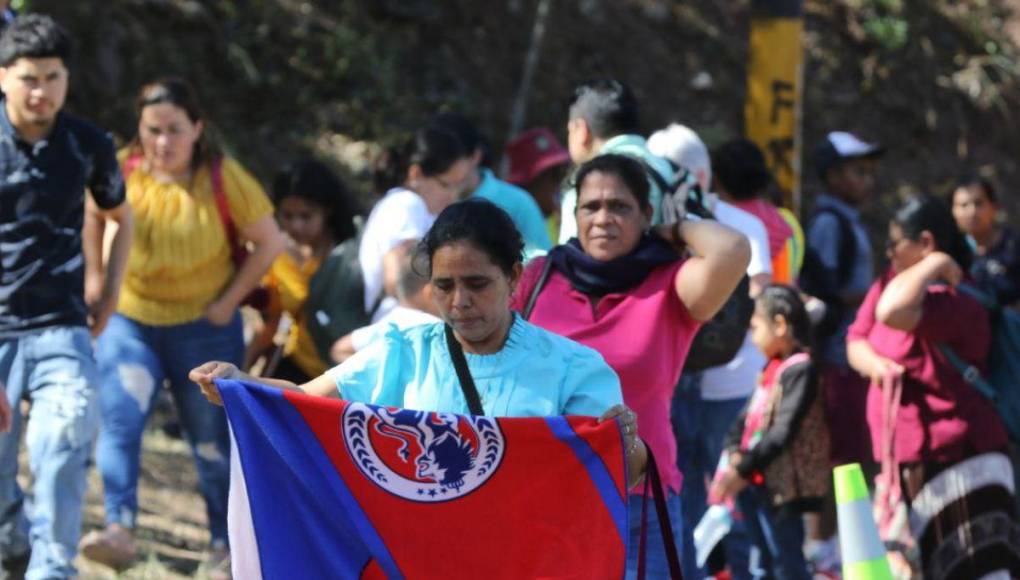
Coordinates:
[536,374]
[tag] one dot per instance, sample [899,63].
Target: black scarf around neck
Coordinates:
[596,278]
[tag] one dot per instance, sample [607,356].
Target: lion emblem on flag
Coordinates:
[422,456]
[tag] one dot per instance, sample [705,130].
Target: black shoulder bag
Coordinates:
[467,384]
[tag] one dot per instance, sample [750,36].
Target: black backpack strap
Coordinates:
[847,252]
[533,297]
[467,384]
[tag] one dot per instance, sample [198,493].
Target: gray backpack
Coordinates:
[336,297]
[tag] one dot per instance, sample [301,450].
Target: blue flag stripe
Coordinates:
[597,471]
[249,406]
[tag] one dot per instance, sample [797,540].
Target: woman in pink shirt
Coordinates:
[623,289]
[943,442]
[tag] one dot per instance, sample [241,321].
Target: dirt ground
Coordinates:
[171,533]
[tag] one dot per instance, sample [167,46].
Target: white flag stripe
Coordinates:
[244,551]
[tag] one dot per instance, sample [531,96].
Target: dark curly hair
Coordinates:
[480,222]
[311,180]
[739,166]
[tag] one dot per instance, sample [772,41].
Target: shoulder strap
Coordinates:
[986,299]
[533,297]
[130,164]
[776,397]
[467,384]
[970,373]
[793,359]
[653,480]
[222,205]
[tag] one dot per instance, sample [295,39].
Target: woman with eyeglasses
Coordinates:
[418,181]
[947,442]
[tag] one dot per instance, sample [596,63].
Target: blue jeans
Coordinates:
[656,564]
[778,537]
[134,359]
[700,427]
[54,370]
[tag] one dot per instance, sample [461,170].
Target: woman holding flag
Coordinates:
[472,255]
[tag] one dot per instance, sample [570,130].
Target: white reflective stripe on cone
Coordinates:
[858,534]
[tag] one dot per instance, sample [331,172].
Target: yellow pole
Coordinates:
[772,111]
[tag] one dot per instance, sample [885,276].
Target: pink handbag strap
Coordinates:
[890,477]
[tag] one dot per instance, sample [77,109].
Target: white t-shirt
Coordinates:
[399,216]
[402,317]
[737,378]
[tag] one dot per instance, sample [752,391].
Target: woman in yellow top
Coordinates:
[316,211]
[177,307]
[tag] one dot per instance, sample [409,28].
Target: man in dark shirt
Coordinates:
[47,161]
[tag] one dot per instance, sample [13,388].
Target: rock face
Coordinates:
[934,80]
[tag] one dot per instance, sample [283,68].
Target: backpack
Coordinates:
[787,264]
[822,283]
[800,472]
[1001,384]
[681,196]
[336,297]
[719,339]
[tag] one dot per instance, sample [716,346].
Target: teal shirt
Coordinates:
[633,146]
[536,374]
[523,210]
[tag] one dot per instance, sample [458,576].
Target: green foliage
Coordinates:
[885,23]
[283,78]
[890,32]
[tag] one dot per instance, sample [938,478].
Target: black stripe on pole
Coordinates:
[777,8]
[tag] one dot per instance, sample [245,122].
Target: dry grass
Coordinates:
[171,533]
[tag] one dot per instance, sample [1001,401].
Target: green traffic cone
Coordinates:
[864,556]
